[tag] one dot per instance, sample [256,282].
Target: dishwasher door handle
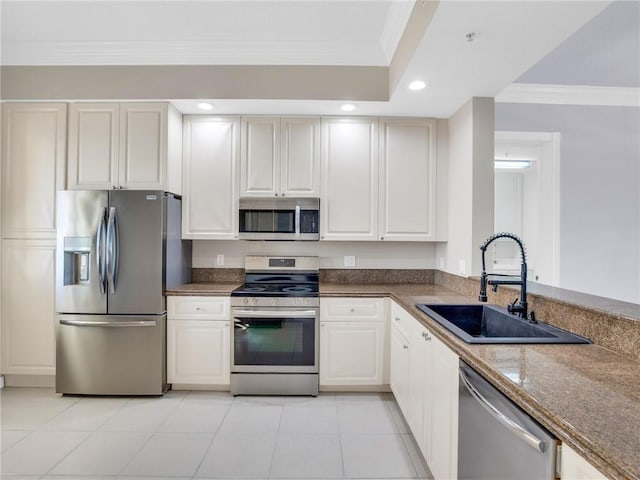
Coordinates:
[514,427]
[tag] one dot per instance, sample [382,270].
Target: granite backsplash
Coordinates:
[618,331]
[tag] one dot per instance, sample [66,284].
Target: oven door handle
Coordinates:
[274,314]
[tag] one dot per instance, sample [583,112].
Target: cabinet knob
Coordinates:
[353,310]
[381,238]
[397,319]
[406,347]
[276,194]
[282,195]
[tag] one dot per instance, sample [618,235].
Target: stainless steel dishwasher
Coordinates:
[498,440]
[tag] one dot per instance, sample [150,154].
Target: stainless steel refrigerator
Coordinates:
[117,252]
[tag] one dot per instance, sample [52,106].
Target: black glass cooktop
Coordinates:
[276,290]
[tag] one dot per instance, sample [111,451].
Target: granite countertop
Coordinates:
[586,395]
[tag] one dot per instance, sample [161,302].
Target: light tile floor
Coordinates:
[204,435]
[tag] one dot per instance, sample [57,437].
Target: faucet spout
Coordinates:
[520,308]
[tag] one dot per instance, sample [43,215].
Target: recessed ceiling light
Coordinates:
[348,107]
[417,85]
[205,106]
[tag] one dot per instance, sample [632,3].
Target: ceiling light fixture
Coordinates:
[513,164]
[205,106]
[417,85]
[348,107]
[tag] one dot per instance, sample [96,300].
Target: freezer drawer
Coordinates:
[111,354]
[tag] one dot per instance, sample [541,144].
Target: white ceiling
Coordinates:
[511,37]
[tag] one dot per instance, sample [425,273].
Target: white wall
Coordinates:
[599,192]
[368,254]
[470,198]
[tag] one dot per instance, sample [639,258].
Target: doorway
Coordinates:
[527,203]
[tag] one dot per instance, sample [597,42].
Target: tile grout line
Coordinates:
[215,435]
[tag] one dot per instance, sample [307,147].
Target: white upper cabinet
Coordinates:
[407,179]
[126,145]
[33,159]
[210,177]
[349,184]
[300,157]
[280,156]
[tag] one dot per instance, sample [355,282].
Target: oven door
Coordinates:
[278,340]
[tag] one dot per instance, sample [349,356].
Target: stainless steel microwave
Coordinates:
[279,219]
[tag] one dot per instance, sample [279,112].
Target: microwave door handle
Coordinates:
[297,222]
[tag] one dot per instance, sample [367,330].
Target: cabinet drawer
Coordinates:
[198,308]
[402,320]
[352,309]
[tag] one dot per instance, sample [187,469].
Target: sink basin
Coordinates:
[479,323]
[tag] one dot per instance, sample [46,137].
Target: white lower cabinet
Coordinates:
[28,307]
[424,381]
[440,432]
[399,358]
[198,341]
[352,341]
[574,467]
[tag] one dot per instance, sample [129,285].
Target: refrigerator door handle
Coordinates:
[100,251]
[132,323]
[113,245]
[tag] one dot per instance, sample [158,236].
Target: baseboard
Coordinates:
[199,387]
[40,381]
[355,388]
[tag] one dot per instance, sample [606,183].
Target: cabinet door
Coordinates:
[300,157]
[33,159]
[418,354]
[198,352]
[399,371]
[352,353]
[260,157]
[349,179]
[407,179]
[143,146]
[92,161]
[574,467]
[28,308]
[441,430]
[210,176]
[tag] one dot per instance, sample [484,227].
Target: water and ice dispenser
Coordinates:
[77,260]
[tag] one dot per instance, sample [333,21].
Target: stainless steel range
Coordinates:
[274,342]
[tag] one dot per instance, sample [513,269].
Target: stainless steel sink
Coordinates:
[477,323]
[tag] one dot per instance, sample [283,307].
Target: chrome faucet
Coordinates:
[521,307]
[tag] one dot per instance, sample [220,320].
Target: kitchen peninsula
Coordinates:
[586,395]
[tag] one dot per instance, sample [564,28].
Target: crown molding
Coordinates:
[570,95]
[192,53]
